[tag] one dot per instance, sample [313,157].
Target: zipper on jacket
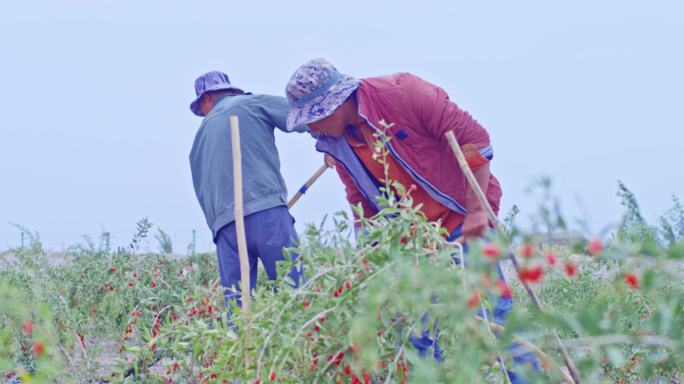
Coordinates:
[414,174]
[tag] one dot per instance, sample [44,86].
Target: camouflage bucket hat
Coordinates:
[315,91]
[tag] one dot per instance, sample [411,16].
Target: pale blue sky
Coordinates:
[95,128]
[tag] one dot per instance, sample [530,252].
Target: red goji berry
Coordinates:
[531,274]
[366,378]
[570,269]
[551,258]
[313,364]
[632,280]
[27,327]
[527,250]
[38,348]
[504,289]
[473,300]
[491,250]
[594,247]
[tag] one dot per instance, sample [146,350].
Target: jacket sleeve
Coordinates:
[276,109]
[354,195]
[438,115]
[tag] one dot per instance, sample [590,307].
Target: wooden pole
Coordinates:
[290,204]
[240,228]
[306,186]
[456,148]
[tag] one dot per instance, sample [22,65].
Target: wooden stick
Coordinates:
[240,228]
[290,204]
[306,186]
[488,208]
[456,148]
[498,328]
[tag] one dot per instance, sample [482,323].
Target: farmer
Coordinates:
[268,225]
[344,113]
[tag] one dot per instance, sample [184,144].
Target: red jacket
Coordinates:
[421,113]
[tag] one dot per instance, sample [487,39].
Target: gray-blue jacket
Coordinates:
[211,157]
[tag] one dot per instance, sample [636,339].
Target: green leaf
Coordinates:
[649,279]
[676,251]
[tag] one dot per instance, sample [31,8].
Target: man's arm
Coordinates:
[476,220]
[439,115]
[276,108]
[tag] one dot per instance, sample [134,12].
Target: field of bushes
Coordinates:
[615,301]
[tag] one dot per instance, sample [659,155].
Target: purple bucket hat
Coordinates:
[209,82]
[315,91]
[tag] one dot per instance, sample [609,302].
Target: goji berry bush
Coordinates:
[615,303]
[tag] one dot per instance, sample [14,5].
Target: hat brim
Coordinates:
[323,105]
[194,106]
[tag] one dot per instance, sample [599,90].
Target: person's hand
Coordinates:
[474,224]
[329,161]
